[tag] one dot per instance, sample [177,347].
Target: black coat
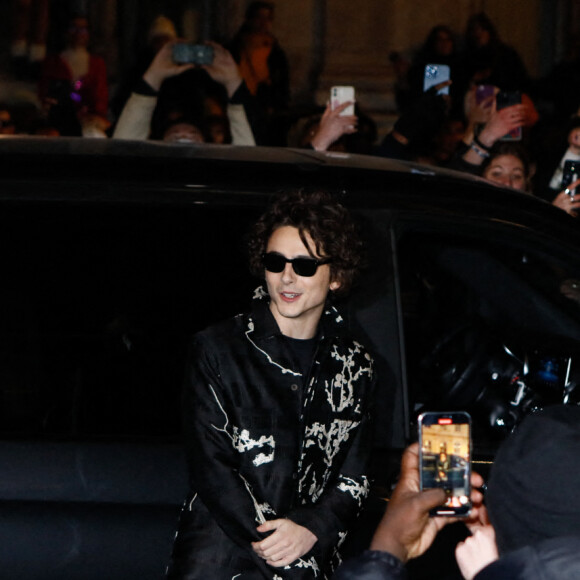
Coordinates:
[552,559]
[265,442]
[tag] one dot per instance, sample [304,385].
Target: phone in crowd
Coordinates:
[571,173]
[435,74]
[340,95]
[483,92]
[445,459]
[187,53]
[506,99]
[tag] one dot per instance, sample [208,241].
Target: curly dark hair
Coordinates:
[327,222]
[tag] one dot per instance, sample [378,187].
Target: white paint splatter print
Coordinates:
[300,563]
[340,390]
[241,440]
[356,489]
[329,438]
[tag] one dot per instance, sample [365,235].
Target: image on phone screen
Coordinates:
[435,74]
[445,459]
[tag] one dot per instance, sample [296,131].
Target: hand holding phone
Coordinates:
[445,459]
[571,173]
[503,100]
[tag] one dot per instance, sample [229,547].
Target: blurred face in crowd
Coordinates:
[481,36]
[183,133]
[508,171]
[444,43]
[262,21]
[574,139]
[78,33]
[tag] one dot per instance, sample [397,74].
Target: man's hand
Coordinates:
[162,66]
[333,126]
[288,542]
[224,69]
[477,551]
[406,530]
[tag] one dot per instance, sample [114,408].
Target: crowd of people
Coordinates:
[243,97]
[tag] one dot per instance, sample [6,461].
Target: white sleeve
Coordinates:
[135,119]
[239,126]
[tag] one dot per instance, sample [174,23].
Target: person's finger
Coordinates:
[442,85]
[280,562]
[342,107]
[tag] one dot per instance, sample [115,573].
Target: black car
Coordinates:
[113,253]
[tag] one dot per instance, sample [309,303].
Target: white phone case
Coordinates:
[340,95]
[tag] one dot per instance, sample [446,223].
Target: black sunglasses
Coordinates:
[305,267]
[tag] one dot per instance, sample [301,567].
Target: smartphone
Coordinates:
[571,173]
[483,92]
[435,74]
[186,53]
[445,459]
[506,99]
[340,95]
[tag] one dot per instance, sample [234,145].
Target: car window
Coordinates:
[491,325]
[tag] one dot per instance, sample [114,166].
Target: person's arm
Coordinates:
[241,109]
[322,522]
[406,530]
[333,126]
[224,70]
[135,118]
[214,451]
[476,113]
[500,123]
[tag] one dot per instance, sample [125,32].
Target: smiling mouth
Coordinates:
[289,295]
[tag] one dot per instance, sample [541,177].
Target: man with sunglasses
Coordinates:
[277,410]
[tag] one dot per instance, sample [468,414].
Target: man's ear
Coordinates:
[334,285]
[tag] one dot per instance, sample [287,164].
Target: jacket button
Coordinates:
[294,387]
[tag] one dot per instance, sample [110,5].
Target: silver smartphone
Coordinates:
[445,459]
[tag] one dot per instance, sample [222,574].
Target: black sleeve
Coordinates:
[254,113]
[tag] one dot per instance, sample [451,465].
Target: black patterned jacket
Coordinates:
[265,442]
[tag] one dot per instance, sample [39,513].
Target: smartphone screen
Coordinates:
[435,74]
[340,95]
[445,459]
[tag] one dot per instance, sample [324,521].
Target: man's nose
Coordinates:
[288,274]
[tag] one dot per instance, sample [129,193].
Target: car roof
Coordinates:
[111,170]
